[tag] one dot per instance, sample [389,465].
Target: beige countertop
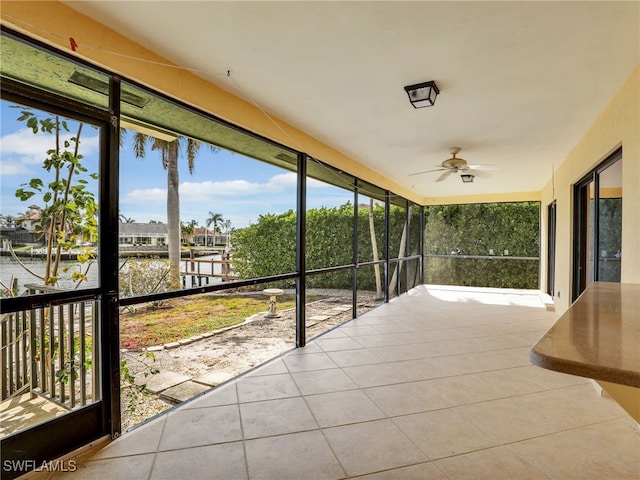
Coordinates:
[598,337]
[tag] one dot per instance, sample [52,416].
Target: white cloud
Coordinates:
[13,167]
[192,191]
[146,196]
[25,148]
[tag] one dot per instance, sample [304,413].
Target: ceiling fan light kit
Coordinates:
[422,94]
[458,165]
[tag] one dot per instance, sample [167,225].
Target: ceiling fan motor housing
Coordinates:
[455,164]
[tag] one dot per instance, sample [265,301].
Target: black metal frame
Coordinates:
[581,222]
[551,247]
[79,427]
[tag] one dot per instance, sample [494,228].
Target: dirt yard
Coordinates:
[234,351]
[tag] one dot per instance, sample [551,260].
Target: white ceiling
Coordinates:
[520,82]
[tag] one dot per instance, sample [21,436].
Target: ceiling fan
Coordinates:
[458,165]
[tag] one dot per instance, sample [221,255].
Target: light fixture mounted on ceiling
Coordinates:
[422,94]
[467,178]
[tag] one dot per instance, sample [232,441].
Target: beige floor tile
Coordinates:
[374,375]
[201,426]
[133,467]
[351,358]
[422,471]
[305,363]
[334,333]
[341,408]
[443,433]
[268,387]
[608,450]
[402,399]
[275,417]
[213,462]
[270,368]
[310,347]
[334,344]
[392,328]
[223,395]
[355,331]
[529,379]
[372,446]
[296,456]
[397,353]
[493,464]
[526,416]
[143,439]
[378,340]
[437,367]
[323,381]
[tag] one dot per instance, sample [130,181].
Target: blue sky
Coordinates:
[235,186]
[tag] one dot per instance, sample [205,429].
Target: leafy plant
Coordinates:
[144,276]
[129,387]
[69,216]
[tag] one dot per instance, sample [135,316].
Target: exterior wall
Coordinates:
[617,125]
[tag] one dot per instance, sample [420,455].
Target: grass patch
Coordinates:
[190,316]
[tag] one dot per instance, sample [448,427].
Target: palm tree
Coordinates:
[187,229]
[170,152]
[217,221]
[227,230]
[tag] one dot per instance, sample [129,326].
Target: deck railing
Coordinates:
[51,351]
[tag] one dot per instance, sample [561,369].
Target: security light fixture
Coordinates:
[467,178]
[422,94]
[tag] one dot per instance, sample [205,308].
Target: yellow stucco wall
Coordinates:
[617,125]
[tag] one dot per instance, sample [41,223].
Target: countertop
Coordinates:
[598,337]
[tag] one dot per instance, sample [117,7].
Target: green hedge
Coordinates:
[474,229]
[268,246]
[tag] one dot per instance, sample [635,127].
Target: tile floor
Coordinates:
[434,385]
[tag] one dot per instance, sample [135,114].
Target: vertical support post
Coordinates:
[4,362]
[33,353]
[71,364]
[354,270]
[109,326]
[421,248]
[301,251]
[387,223]
[96,352]
[48,357]
[42,349]
[17,347]
[61,351]
[82,345]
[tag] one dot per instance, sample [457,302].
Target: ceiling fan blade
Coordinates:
[427,171]
[478,173]
[485,167]
[443,176]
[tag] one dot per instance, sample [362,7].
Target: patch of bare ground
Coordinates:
[233,351]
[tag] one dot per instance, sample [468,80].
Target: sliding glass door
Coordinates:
[598,225]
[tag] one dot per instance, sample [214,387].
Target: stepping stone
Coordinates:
[183,392]
[214,378]
[319,318]
[342,308]
[161,381]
